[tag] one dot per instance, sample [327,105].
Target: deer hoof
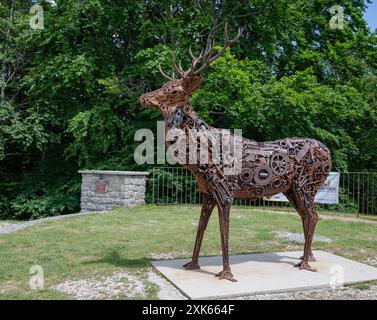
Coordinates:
[304,265]
[226,274]
[191,265]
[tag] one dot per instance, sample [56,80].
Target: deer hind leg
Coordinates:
[208,204]
[292,199]
[304,204]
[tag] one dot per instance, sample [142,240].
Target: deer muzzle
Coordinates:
[149,101]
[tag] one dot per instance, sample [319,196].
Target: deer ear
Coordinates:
[192,83]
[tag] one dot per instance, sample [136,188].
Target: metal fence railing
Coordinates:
[176,185]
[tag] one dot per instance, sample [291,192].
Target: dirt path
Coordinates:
[12,227]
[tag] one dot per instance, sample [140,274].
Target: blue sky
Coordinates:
[371,15]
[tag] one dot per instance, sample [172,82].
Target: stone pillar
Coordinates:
[107,190]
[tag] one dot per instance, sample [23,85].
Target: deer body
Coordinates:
[295,166]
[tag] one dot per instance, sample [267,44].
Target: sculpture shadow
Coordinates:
[115,259]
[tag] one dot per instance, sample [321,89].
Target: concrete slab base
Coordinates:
[263,273]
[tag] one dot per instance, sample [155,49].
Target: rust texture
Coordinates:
[295,166]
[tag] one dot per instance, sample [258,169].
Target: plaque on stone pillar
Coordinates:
[101,187]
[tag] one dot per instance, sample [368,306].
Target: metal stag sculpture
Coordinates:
[295,166]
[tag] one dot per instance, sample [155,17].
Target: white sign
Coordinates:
[329,192]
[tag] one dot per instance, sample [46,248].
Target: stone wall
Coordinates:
[106,190]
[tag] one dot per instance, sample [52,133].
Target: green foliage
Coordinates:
[70,92]
[62,199]
[21,129]
[95,132]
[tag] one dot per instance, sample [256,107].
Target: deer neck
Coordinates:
[183,117]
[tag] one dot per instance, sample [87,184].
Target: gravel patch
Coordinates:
[4,224]
[346,293]
[169,255]
[166,290]
[371,261]
[12,227]
[120,283]
[8,286]
[299,237]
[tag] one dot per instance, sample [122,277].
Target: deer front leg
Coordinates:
[309,219]
[208,204]
[224,212]
[306,231]
[293,200]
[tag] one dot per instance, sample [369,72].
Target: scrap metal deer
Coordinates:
[295,166]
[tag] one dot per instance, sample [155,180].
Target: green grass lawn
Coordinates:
[128,239]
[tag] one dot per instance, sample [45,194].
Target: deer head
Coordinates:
[175,92]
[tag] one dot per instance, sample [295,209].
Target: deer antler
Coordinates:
[203,54]
[206,56]
[164,74]
[179,69]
